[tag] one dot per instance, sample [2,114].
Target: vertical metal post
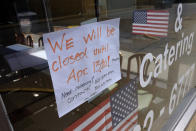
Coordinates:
[97,9]
[47,14]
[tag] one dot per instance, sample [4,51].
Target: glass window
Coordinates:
[156,59]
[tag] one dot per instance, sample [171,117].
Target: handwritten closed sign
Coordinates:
[83,61]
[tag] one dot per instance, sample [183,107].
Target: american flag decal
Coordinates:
[151,22]
[118,112]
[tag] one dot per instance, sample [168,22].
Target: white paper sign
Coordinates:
[83,61]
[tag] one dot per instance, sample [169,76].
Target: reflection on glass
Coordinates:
[26,86]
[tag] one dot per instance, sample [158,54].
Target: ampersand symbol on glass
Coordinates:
[178,23]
